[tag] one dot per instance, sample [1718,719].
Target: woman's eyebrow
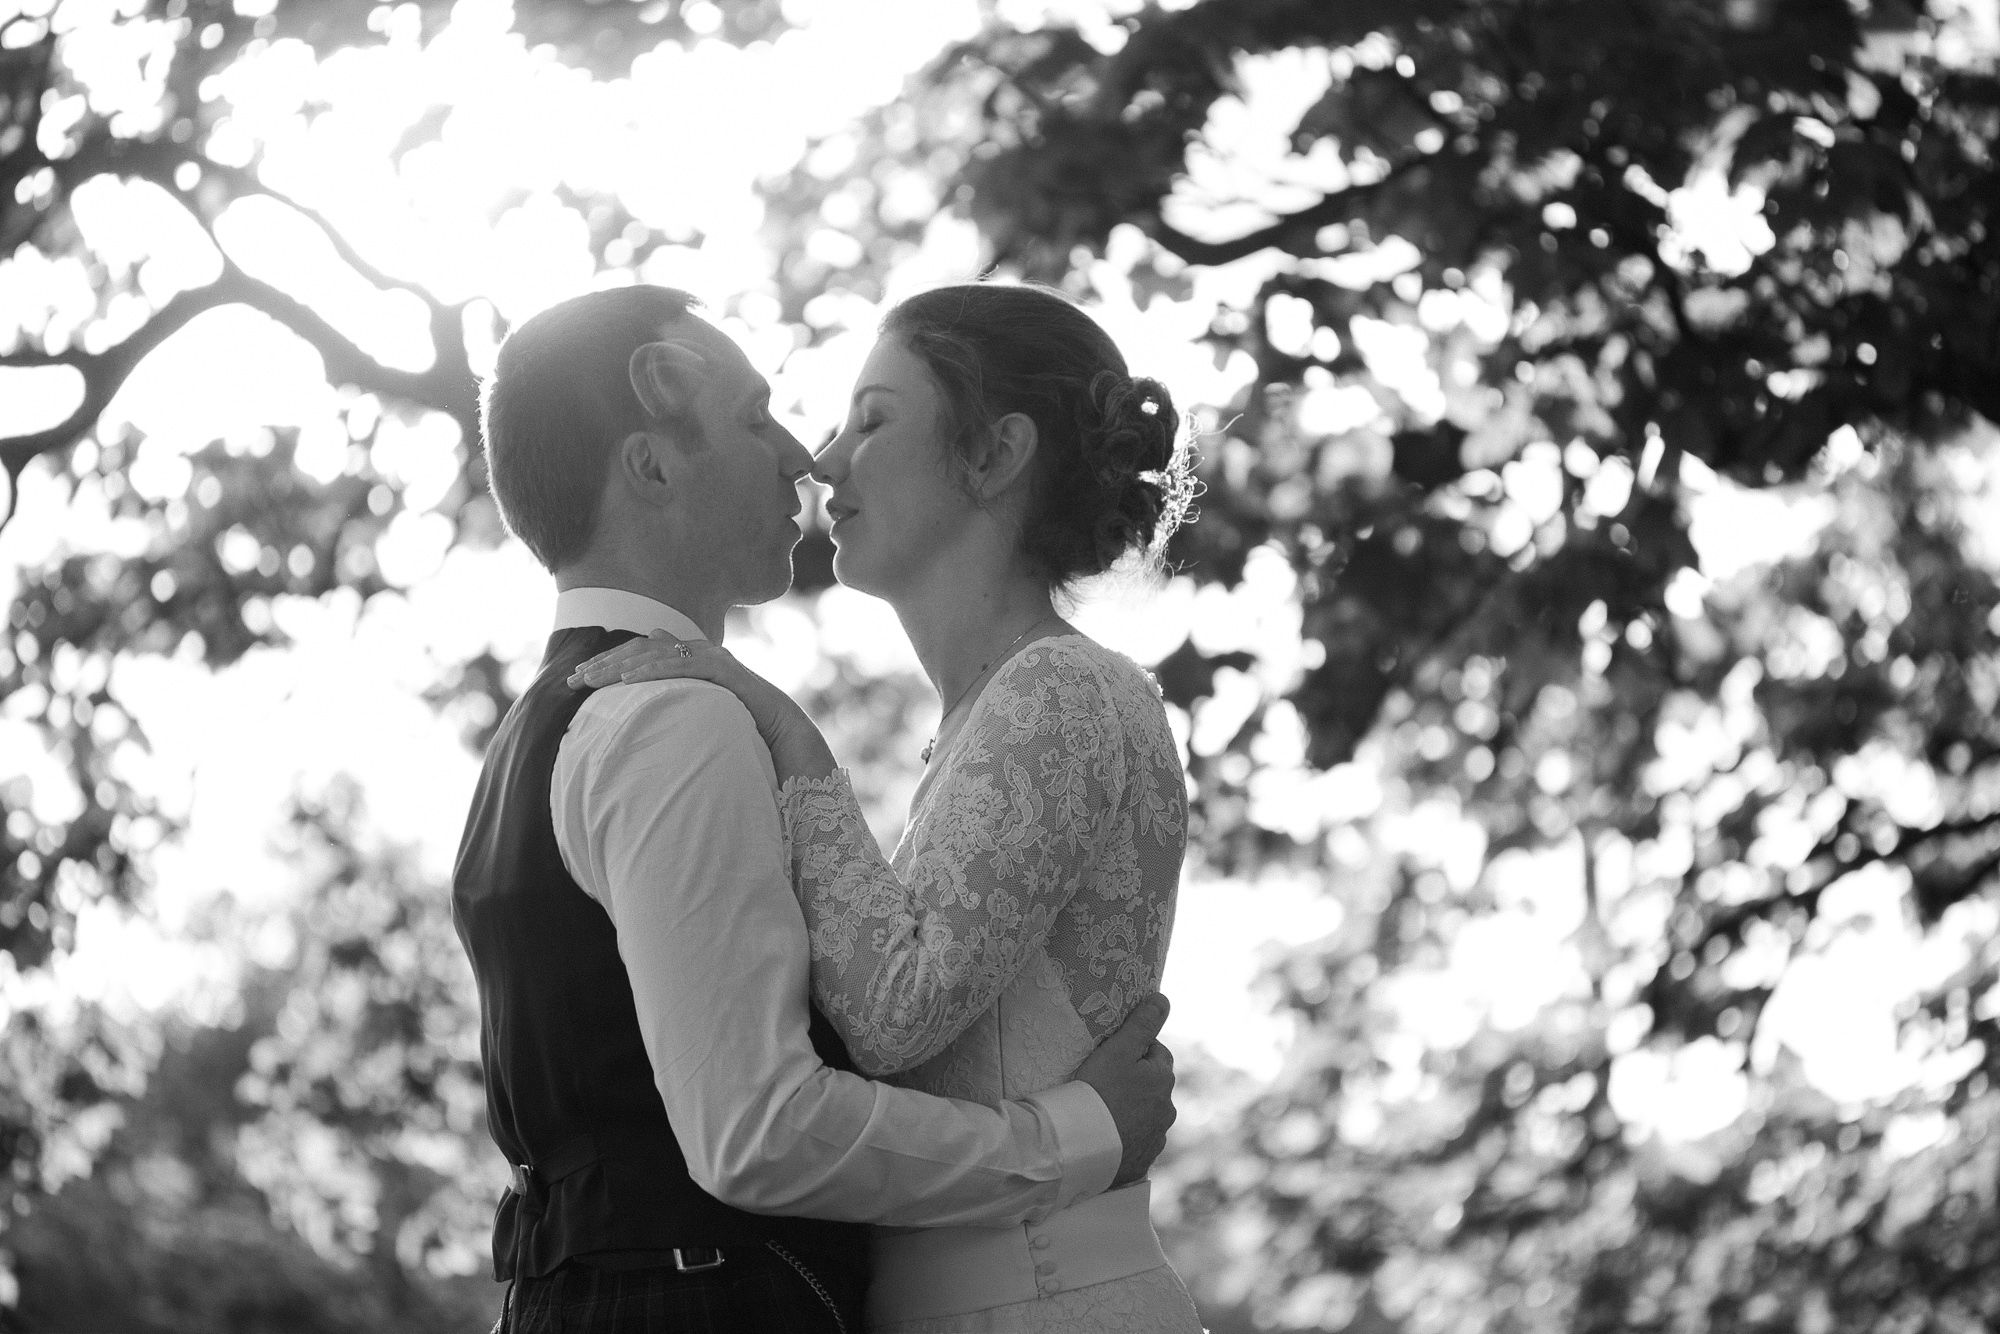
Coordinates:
[871,389]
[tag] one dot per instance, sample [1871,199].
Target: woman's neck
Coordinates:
[960,627]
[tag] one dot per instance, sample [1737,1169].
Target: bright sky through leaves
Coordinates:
[683,142]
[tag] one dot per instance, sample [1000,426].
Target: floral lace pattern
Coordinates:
[1042,856]
[1024,913]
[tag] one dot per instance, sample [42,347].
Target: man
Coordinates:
[691,1147]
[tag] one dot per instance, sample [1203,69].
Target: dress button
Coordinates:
[1051,1288]
[1040,1243]
[1045,1267]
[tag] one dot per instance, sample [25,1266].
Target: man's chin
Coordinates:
[775,584]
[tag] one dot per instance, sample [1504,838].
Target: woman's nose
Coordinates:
[830,464]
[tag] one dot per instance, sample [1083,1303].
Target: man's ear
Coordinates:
[1010,448]
[644,463]
[667,377]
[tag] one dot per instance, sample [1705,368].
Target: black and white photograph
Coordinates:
[1000,667]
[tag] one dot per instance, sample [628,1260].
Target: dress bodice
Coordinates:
[1025,912]
[1027,907]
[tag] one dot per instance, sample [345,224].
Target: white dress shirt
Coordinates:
[665,807]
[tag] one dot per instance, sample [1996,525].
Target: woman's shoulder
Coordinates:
[1074,655]
[1095,697]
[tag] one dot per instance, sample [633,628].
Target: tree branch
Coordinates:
[447,386]
[245,183]
[103,373]
[157,162]
[1732,919]
[1331,208]
[32,358]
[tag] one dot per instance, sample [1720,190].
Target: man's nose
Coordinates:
[794,458]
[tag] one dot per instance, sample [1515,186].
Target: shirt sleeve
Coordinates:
[664,810]
[901,965]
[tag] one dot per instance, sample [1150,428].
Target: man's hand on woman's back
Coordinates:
[1134,1074]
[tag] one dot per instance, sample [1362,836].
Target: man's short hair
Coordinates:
[558,402]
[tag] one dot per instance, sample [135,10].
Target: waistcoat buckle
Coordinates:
[695,1259]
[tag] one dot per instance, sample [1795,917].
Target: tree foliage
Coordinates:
[1503,608]
[341,1099]
[369,1072]
[1517,293]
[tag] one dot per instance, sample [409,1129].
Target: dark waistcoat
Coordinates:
[569,1091]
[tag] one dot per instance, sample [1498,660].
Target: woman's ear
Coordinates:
[667,377]
[1010,448]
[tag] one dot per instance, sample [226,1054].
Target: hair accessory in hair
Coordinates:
[1179,487]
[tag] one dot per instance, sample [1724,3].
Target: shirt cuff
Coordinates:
[1086,1138]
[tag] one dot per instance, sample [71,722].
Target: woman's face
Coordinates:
[897,503]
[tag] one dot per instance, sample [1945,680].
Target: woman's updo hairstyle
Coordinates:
[1111,474]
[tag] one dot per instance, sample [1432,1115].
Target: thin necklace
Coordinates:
[977,677]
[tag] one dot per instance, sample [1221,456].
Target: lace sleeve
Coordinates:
[901,965]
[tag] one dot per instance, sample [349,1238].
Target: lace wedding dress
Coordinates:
[1024,913]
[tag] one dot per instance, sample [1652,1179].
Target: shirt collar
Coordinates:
[617,609]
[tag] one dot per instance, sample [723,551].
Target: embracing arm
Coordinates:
[903,964]
[902,967]
[664,813]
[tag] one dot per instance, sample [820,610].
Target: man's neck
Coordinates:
[708,612]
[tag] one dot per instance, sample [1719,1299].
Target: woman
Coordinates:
[996,451]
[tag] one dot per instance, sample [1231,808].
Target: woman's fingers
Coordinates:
[604,667]
[657,657]
[653,658]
